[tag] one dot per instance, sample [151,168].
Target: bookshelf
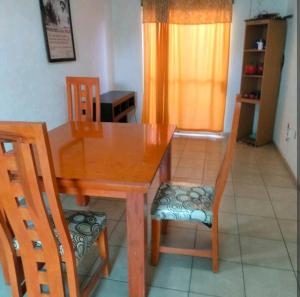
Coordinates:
[261,79]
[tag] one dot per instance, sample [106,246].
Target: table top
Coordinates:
[116,152]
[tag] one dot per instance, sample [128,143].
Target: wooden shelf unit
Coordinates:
[273,32]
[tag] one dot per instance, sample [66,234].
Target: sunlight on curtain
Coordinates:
[186,70]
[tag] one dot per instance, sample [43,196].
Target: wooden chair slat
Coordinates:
[79,88]
[25,218]
[43,277]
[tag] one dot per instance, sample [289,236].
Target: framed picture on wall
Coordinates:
[58,31]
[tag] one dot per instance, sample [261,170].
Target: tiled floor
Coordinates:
[257,230]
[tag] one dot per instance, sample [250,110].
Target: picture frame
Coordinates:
[58,30]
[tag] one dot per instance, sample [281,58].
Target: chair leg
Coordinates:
[215,248]
[103,251]
[82,200]
[155,241]
[164,226]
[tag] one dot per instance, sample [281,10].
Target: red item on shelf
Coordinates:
[260,69]
[250,69]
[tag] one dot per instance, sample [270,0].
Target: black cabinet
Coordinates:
[115,105]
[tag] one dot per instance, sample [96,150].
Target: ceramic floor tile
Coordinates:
[113,208]
[278,181]
[188,172]
[259,227]
[292,250]
[118,237]
[119,263]
[272,162]
[215,156]
[229,190]
[4,288]
[212,175]
[285,210]
[248,179]
[178,237]
[172,272]
[195,148]
[288,229]
[212,165]
[109,288]
[265,253]
[241,159]
[283,194]
[111,224]
[254,207]
[193,154]
[160,292]
[199,295]
[240,168]
[227,223]
[281,171]
[119,234]
[191,162]
[251,191]
[186,180]
[228,282]
[265,282]
[227,204]
[229,245]
[183,224]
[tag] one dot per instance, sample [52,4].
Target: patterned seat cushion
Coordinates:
[84,228]
[183,203]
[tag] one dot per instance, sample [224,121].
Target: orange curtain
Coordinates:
[185,64]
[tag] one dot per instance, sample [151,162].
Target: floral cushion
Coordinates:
[183,203]
[84,228]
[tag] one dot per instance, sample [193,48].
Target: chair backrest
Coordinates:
[83,95]
[26,172]
[225,167]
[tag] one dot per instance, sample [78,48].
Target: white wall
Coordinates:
[33,89]
[287,103]
[127,48]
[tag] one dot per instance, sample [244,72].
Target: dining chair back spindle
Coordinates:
[34,230]
[193,203]
[83,98]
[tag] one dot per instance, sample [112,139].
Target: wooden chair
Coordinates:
[82,93]
[187,202]
[44,240]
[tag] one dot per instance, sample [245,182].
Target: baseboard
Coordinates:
[286,164]
[196,134]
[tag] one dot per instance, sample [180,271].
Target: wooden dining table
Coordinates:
[115,160]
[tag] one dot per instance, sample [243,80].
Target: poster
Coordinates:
[57,23]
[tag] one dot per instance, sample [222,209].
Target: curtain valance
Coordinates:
[187,11]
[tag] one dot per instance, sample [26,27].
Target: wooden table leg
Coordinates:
[137,244]
[165,167]
[82,200]
[165,176]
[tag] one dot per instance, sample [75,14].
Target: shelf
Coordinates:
[252,76]
[254,50]
[248,140]
[250,101]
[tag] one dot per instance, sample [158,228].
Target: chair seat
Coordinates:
[84,228]
[183,203]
